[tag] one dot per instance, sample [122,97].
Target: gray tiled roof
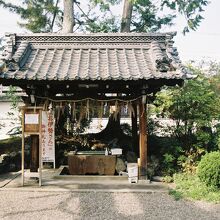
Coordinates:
[92,57]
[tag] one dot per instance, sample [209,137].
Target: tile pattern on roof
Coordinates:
[93,57]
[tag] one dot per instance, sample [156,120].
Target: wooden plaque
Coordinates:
[31,121]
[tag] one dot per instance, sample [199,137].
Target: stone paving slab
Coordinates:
[80,184]
[5,179]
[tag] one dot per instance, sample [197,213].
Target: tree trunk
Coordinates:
[54,16]
[68,18]
[113,125]
[126,16]
[113,128]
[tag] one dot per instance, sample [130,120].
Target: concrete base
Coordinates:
[51,181]
[144,179]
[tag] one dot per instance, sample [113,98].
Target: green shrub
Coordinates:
[169,164]
[190,186]
[208,169]
[168,179]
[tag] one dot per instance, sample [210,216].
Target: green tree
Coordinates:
[147,15]
[195,111]
[191,10]
[193,107]
[139,16]
[12,96]
[38,15]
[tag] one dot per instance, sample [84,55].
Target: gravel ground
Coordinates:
[100,205]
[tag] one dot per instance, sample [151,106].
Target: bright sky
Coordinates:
[202,44]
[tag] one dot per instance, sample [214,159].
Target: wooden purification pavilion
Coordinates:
[71,67]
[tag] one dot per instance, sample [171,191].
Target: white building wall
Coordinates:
[8,118]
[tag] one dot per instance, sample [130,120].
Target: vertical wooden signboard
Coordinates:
[48,137]
[32,125]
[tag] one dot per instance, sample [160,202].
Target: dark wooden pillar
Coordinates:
[135,130]
[34,157]
[143,140]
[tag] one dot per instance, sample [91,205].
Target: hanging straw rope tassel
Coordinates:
[131,110]
[94,106]
[87,109]
[59,111]
[117,110]
[81,114]
[105,108]
[46,104]
[100,115]
[74,111]
[126,108]
[63,107]
[144,98]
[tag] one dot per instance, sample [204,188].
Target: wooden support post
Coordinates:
[135,130]
[40,149]
[143,140]
[34,160]
[22,151]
